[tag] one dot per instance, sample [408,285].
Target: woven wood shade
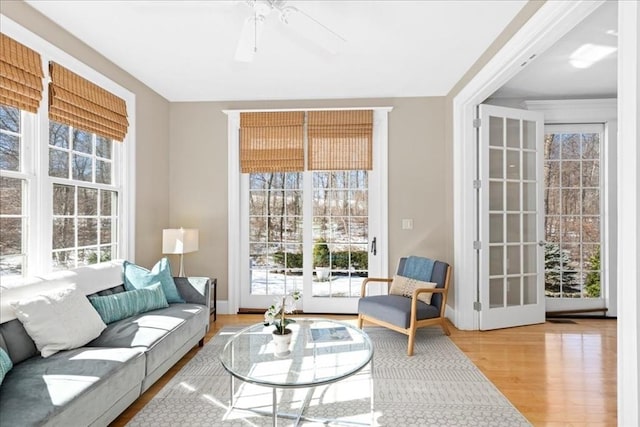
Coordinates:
[20,75]
[340,140]
[272,141]
[75,101]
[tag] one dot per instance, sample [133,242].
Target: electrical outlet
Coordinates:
[407,224]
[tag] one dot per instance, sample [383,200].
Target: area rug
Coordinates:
[438,386]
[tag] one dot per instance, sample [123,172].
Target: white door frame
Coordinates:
[542,30]
[551,21]
[234,245]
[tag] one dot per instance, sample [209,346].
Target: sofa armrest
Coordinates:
[194,290]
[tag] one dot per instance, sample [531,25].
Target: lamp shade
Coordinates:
[179,240]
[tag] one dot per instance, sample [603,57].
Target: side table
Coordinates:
[213,295]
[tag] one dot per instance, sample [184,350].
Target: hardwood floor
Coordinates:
[556,374]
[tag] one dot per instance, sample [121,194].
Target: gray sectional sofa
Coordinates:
[92,385]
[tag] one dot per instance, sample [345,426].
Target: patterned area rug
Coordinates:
[438,386]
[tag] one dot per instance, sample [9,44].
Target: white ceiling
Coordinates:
[184,50]
[552,76]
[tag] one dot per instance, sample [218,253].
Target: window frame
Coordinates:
[600,111]
[35,155]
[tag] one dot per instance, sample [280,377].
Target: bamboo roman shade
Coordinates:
[272,141]
[20,75]
[340,140]
[75,101]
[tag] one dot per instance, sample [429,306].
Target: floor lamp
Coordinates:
[179,241]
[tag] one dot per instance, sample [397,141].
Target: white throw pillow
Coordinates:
[59,320]
[405,286]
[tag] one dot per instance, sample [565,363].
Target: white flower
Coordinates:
[275,315]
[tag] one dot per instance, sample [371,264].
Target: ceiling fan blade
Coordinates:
[312,29]
[249,38]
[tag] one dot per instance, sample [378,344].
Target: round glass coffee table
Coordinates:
[322,351]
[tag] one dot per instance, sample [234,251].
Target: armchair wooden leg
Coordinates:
[445,328]
[412,340]
[360,321]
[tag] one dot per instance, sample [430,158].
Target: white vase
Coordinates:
[281,343]
[323,273]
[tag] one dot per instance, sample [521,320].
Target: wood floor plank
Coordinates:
[556,374]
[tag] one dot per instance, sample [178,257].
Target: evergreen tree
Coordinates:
[557,275]
[592,282]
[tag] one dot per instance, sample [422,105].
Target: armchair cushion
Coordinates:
[405,286]
[395,309]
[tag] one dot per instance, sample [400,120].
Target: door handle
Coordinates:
[374,249]
[542,243]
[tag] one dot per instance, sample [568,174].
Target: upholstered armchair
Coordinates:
[406,306]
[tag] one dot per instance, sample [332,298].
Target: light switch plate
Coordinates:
[407,224]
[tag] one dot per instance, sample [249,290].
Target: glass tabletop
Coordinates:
[321,351]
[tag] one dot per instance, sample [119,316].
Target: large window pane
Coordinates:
[572,225]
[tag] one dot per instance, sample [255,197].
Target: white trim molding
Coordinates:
[548,25]
[628,213]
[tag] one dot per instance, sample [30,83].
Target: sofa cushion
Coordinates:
[125,304]
[81,383]
[15,339]
[5,364]
[136,277]
[76,321]
[149,332]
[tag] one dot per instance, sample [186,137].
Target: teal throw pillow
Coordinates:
[5,364]
[136,277]
[119,306]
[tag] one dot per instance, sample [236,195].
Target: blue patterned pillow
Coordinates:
[5,364]
[136,277]
[129,303]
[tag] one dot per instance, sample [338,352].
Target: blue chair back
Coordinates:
[438,275]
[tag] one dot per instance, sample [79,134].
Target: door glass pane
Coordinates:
[513,196]
[496,293]
[513,291]
[529,290]
[513,228]
[529,226]
[529,196]
[496,233]
[495,163]
[340,233]
[528,165]
[496,196]
[496,260]
[513,260]
[496,131]
[529,258]
[275,233]
[513,133]
[513,164]
[529,135]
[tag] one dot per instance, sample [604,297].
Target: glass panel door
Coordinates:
[511,220]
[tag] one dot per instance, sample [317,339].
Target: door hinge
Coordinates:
[476,245]
[477,122]
[477,184]
[477,306]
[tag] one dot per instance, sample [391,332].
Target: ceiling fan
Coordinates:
[291,16]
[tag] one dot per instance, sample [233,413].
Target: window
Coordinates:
[66,193]
[573,211]
[13,190]
[85,201]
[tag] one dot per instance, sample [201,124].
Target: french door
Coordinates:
[319,232]
[511,218]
